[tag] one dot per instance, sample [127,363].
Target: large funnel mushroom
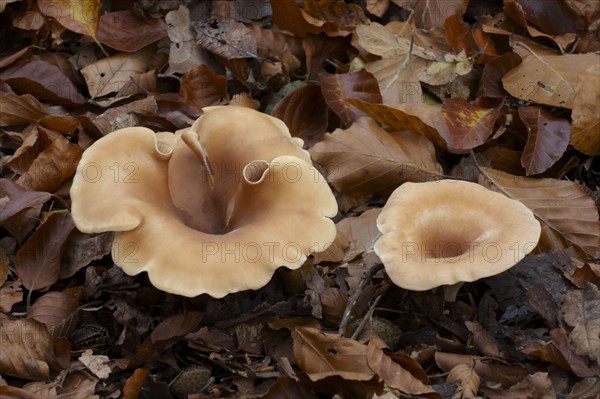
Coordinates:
[212,209]
[447,232]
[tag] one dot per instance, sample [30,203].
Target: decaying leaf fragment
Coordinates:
[581,311]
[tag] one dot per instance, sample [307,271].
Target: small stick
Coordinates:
[366,278]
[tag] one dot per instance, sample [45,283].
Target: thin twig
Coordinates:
[367,317]
[366,278]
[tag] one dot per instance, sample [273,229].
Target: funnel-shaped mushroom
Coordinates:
[446,232]
[212,209]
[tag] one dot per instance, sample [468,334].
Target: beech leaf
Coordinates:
[568,215]
[547,139]
[547,79]
[339,88]
[469,125]
[365,158]
[395,376]
[323,355]
[57,311]
[125,30]
[581,311]
[585,134]
[38,261]
[110,74]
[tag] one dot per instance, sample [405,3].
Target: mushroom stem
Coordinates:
[451,290]
[190,138]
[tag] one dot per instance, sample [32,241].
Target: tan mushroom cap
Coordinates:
[192,228]
[447,231]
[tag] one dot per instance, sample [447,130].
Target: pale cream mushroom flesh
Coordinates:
[447,232]
[213,209]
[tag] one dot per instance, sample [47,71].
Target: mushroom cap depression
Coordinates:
[445,232]
[213,209]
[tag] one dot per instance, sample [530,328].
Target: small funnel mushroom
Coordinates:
[212,209]
[448,232]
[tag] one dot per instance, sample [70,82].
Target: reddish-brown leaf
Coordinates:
[458,35]
[338,88]
[127,31]
[395,376]
[469,125]
[52,167]
[27,349]
[38,261]
[44,80]
[58,311]
[289,16]
[19,110]
[547,139]
[304,111]
[200,87]
[554,17]
[493,71]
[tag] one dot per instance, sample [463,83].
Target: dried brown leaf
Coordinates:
[568,214]
[37,263]
[133,385]
[200,87]
[547,139]
[27,349]
[506,375]
[45,81]
[52,167]
[433,13]
[97,364]
[581,311]
[339,88]
[19,110]
[111,74]
[304,111]
[365,158]
[58,311]
[226,38]
[468,378]
[323,355]
[125,30]
[469,125]
[586,118]
[289,16]
[81,16]
[395,376]
[547,79]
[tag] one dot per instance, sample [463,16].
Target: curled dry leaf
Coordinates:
[27,349]
[586,118]
[488,370]
[125,30]
[323,355]
[305,113]
[568,215]
[365,158]
[536,385]
[395,376]
[468,378]
[581,310]
[289,16]
[38,261]
[339,88]
[547,139]
[110,74]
